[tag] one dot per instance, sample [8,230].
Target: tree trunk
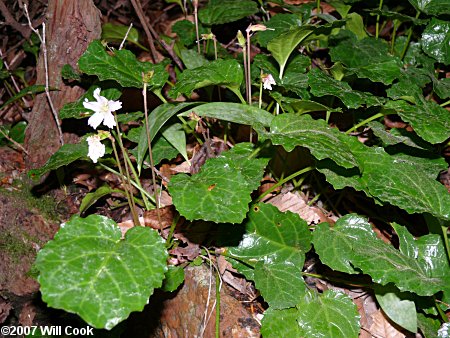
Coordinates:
[71,26]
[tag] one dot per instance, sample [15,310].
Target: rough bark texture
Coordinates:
[71,26]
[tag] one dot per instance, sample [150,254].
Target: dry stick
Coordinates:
[152,164]
[126,36]
[151,33]
[16,86]
[140,13]
[10,21]
[47,91]
[195,3]
[18,145]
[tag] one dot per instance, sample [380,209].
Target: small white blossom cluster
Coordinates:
[103,109]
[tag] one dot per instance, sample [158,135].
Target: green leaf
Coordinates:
[368,58]
[223,11]
[65,155]
[92,197]
[429,326]
[175,135]
[278,24]
[186,32]
[275,243]
[322,85]
[397,136]
[157,118]
[17,132]
[220,192]
[173,278]
[282,47]
[351,246]
[431,7]
[116,33]
[294,78]
[331,314]
[398,307]
[219,72]
[88,270]
[76,110]
[436,40]
[69,73]
[291,130]
[355,25]
[428,119]
[280,323]
[34,89]
[192,59]
[122,66]
[442,88]
[233,112]
[130,117]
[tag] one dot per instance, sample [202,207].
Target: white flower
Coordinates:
[103,109]
[268,81]
[96,148]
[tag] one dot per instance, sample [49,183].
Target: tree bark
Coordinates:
[70,27]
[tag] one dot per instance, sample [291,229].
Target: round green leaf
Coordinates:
[331,315]
[436,40]
[89,270]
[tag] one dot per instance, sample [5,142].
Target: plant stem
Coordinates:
[439,310]
[172,230]
[405,48]
[374,117]
[445,103]
[281,182]
[446,244]
[195,3]
[134,184]
[337,280]
[217,304]
[147,128]
[124,180]
[136,179]
[377,25]
[318,7]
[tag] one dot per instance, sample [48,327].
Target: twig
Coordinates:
[9,20]
[47,90]
[151,33]
[18,145]
[140,13]
[126,36]
[16,86]
[195,4]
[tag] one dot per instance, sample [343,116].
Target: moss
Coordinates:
[15,246]
[21,192]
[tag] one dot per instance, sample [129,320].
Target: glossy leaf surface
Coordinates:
[275,243]
[351,246]
[89,270]
[122,66]
[220,192]
[342,317]
[223,11]
[220,72]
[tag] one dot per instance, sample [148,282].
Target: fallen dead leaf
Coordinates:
[382,328]
[295,203]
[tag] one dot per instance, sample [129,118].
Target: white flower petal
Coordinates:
[114,105]
[108,120]
[95,120]
[95,106]
[97,94]
[96,148]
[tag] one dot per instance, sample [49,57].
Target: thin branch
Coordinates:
[126,36]
[151,35]
[18,145]
[47,90]
[10,21]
